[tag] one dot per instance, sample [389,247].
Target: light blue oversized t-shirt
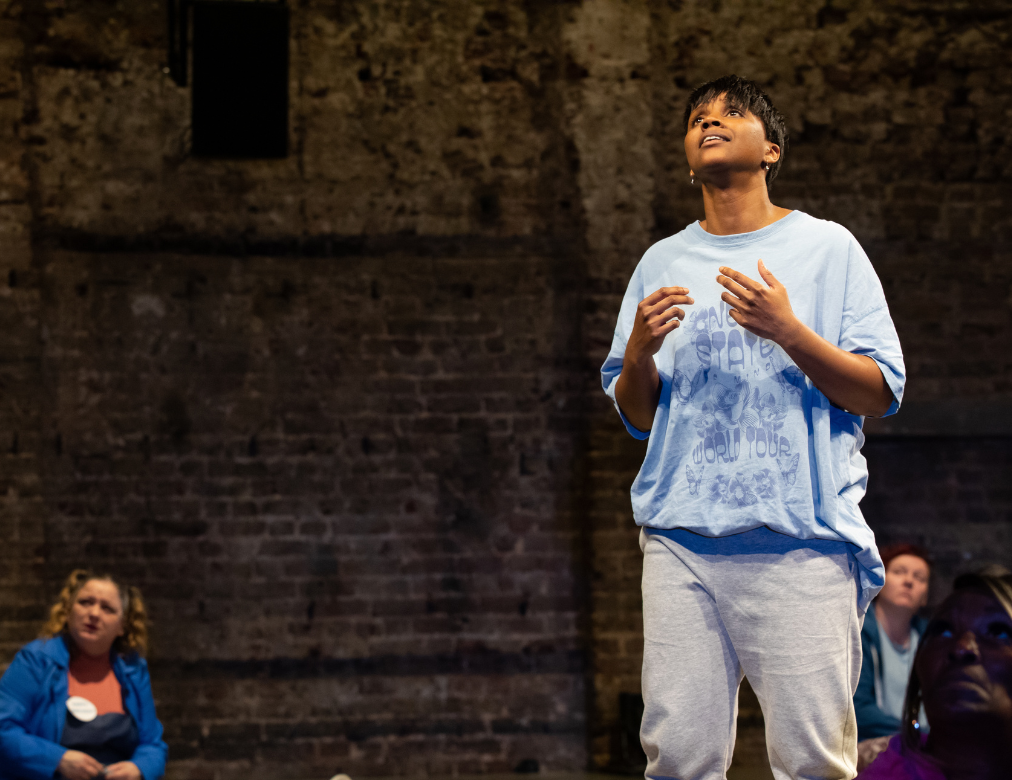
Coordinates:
[741,437]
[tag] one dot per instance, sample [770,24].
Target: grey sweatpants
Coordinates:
[779,610]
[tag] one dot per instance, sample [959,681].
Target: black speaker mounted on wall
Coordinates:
[240,75]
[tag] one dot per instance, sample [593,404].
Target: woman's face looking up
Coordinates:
[96,617]
[721,137]
[906,582]
[965,663]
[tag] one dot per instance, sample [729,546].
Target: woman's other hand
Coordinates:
[656,316]
[79,766]
[124,770]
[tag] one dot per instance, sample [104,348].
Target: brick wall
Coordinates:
[23,514]
[339,414]
[328,474]
[324,410]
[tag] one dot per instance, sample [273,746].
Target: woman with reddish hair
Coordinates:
[889,638]
[77,703]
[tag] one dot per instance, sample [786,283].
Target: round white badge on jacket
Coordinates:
[82,709]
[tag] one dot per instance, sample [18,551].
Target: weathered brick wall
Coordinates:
[324,410]
[22,509]
[429,118]
[335,479]
[950,494]
[339,414]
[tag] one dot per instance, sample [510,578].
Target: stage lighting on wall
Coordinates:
[240,74]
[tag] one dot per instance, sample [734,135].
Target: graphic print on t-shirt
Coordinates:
[740,393]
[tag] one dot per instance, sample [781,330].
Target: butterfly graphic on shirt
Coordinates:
[695,478]
[683,389]
[789,468]
[787,375]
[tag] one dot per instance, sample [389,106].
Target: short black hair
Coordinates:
[748,96]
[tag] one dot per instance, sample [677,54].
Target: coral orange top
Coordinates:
[94,680]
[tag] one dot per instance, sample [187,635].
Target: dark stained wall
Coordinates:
[338,415]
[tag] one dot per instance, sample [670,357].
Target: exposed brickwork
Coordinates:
[339,414]
[434,118]
[353,467]
[427,724]
[22,509]
[325,458]
[950,495]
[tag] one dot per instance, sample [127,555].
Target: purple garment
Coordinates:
[898,763]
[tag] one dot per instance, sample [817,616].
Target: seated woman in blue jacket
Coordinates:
[889,639]
[77,703]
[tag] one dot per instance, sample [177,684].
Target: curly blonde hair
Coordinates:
[135,616]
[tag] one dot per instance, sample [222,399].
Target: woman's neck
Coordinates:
[79,656]
[735,206]
[894,621]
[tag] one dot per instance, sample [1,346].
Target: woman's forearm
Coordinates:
[638,390]
[852,382]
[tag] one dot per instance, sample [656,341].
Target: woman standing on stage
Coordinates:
[757,560]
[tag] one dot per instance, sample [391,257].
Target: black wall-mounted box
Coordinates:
[240,79]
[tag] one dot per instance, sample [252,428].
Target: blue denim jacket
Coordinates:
[33,698]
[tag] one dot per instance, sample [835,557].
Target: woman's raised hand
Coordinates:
[656,316]
[762,309]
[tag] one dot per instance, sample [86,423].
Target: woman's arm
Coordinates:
[871,720]
[852,382]
[22,690]
[638,387]
[152,752]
